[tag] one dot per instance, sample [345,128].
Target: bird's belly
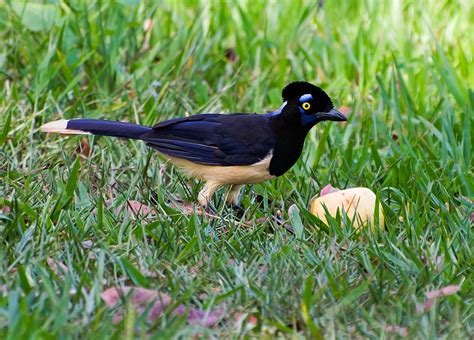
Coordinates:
[238,174]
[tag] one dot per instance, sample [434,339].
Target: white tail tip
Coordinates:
[60,126]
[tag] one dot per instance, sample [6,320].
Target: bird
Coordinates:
[225,150]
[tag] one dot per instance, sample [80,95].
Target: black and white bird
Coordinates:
[226,149]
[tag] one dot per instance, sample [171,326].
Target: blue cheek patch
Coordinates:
[305,98]
[306,118]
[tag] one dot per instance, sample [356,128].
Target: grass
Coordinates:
[405,71]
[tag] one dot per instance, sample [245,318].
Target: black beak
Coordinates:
[333,115]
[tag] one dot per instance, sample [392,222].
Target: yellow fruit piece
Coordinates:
[358,204]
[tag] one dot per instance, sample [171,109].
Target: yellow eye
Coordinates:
[306,106]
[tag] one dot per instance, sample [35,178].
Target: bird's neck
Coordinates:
[289,121]
[290,136]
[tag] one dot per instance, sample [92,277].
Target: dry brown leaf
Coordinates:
[138,208]
[445,291]
[57,267]
[186,208]
[239,317]
[345,110]
[252,320]
[141,298]
[435,261]
[402,331]
[424,307]
[433,295]
[190,208]
[133,207]
[83,149]
[320,73]
[201,317]
[147,26]
[231,55]
[471,217]
[129,89]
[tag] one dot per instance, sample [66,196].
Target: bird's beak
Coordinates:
[333,115]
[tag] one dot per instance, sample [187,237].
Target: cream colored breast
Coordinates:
[242,174]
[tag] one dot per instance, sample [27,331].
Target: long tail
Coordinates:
[96,127]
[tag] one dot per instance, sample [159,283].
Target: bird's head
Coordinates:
[307,105]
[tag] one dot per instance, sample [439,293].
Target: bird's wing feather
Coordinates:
[214,139]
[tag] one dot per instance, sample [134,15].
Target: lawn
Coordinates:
[69,224]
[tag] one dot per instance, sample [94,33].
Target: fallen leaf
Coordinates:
[252,320]
[190,208]
[436,262]
[83,149]
[424,307]
[320,74]
[133,207]
[147,26]
[231,55]
[87,244]
[201,317]
[345,110]
[130,91]
[449,290]
[257,222]
[471,217]
[433,295]
[186,208]
[194,269]
[138,208]
[141,298]
[402,331]
[57,267]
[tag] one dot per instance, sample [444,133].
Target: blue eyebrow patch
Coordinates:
[305,98]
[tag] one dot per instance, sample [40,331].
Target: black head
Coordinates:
[309,103]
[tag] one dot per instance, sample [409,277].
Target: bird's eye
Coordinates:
[306,106]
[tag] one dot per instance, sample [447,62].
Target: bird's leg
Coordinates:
[205,195]
[233,197]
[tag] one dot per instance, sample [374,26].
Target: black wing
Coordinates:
[214,139]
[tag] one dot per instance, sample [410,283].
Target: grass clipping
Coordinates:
[358,204]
